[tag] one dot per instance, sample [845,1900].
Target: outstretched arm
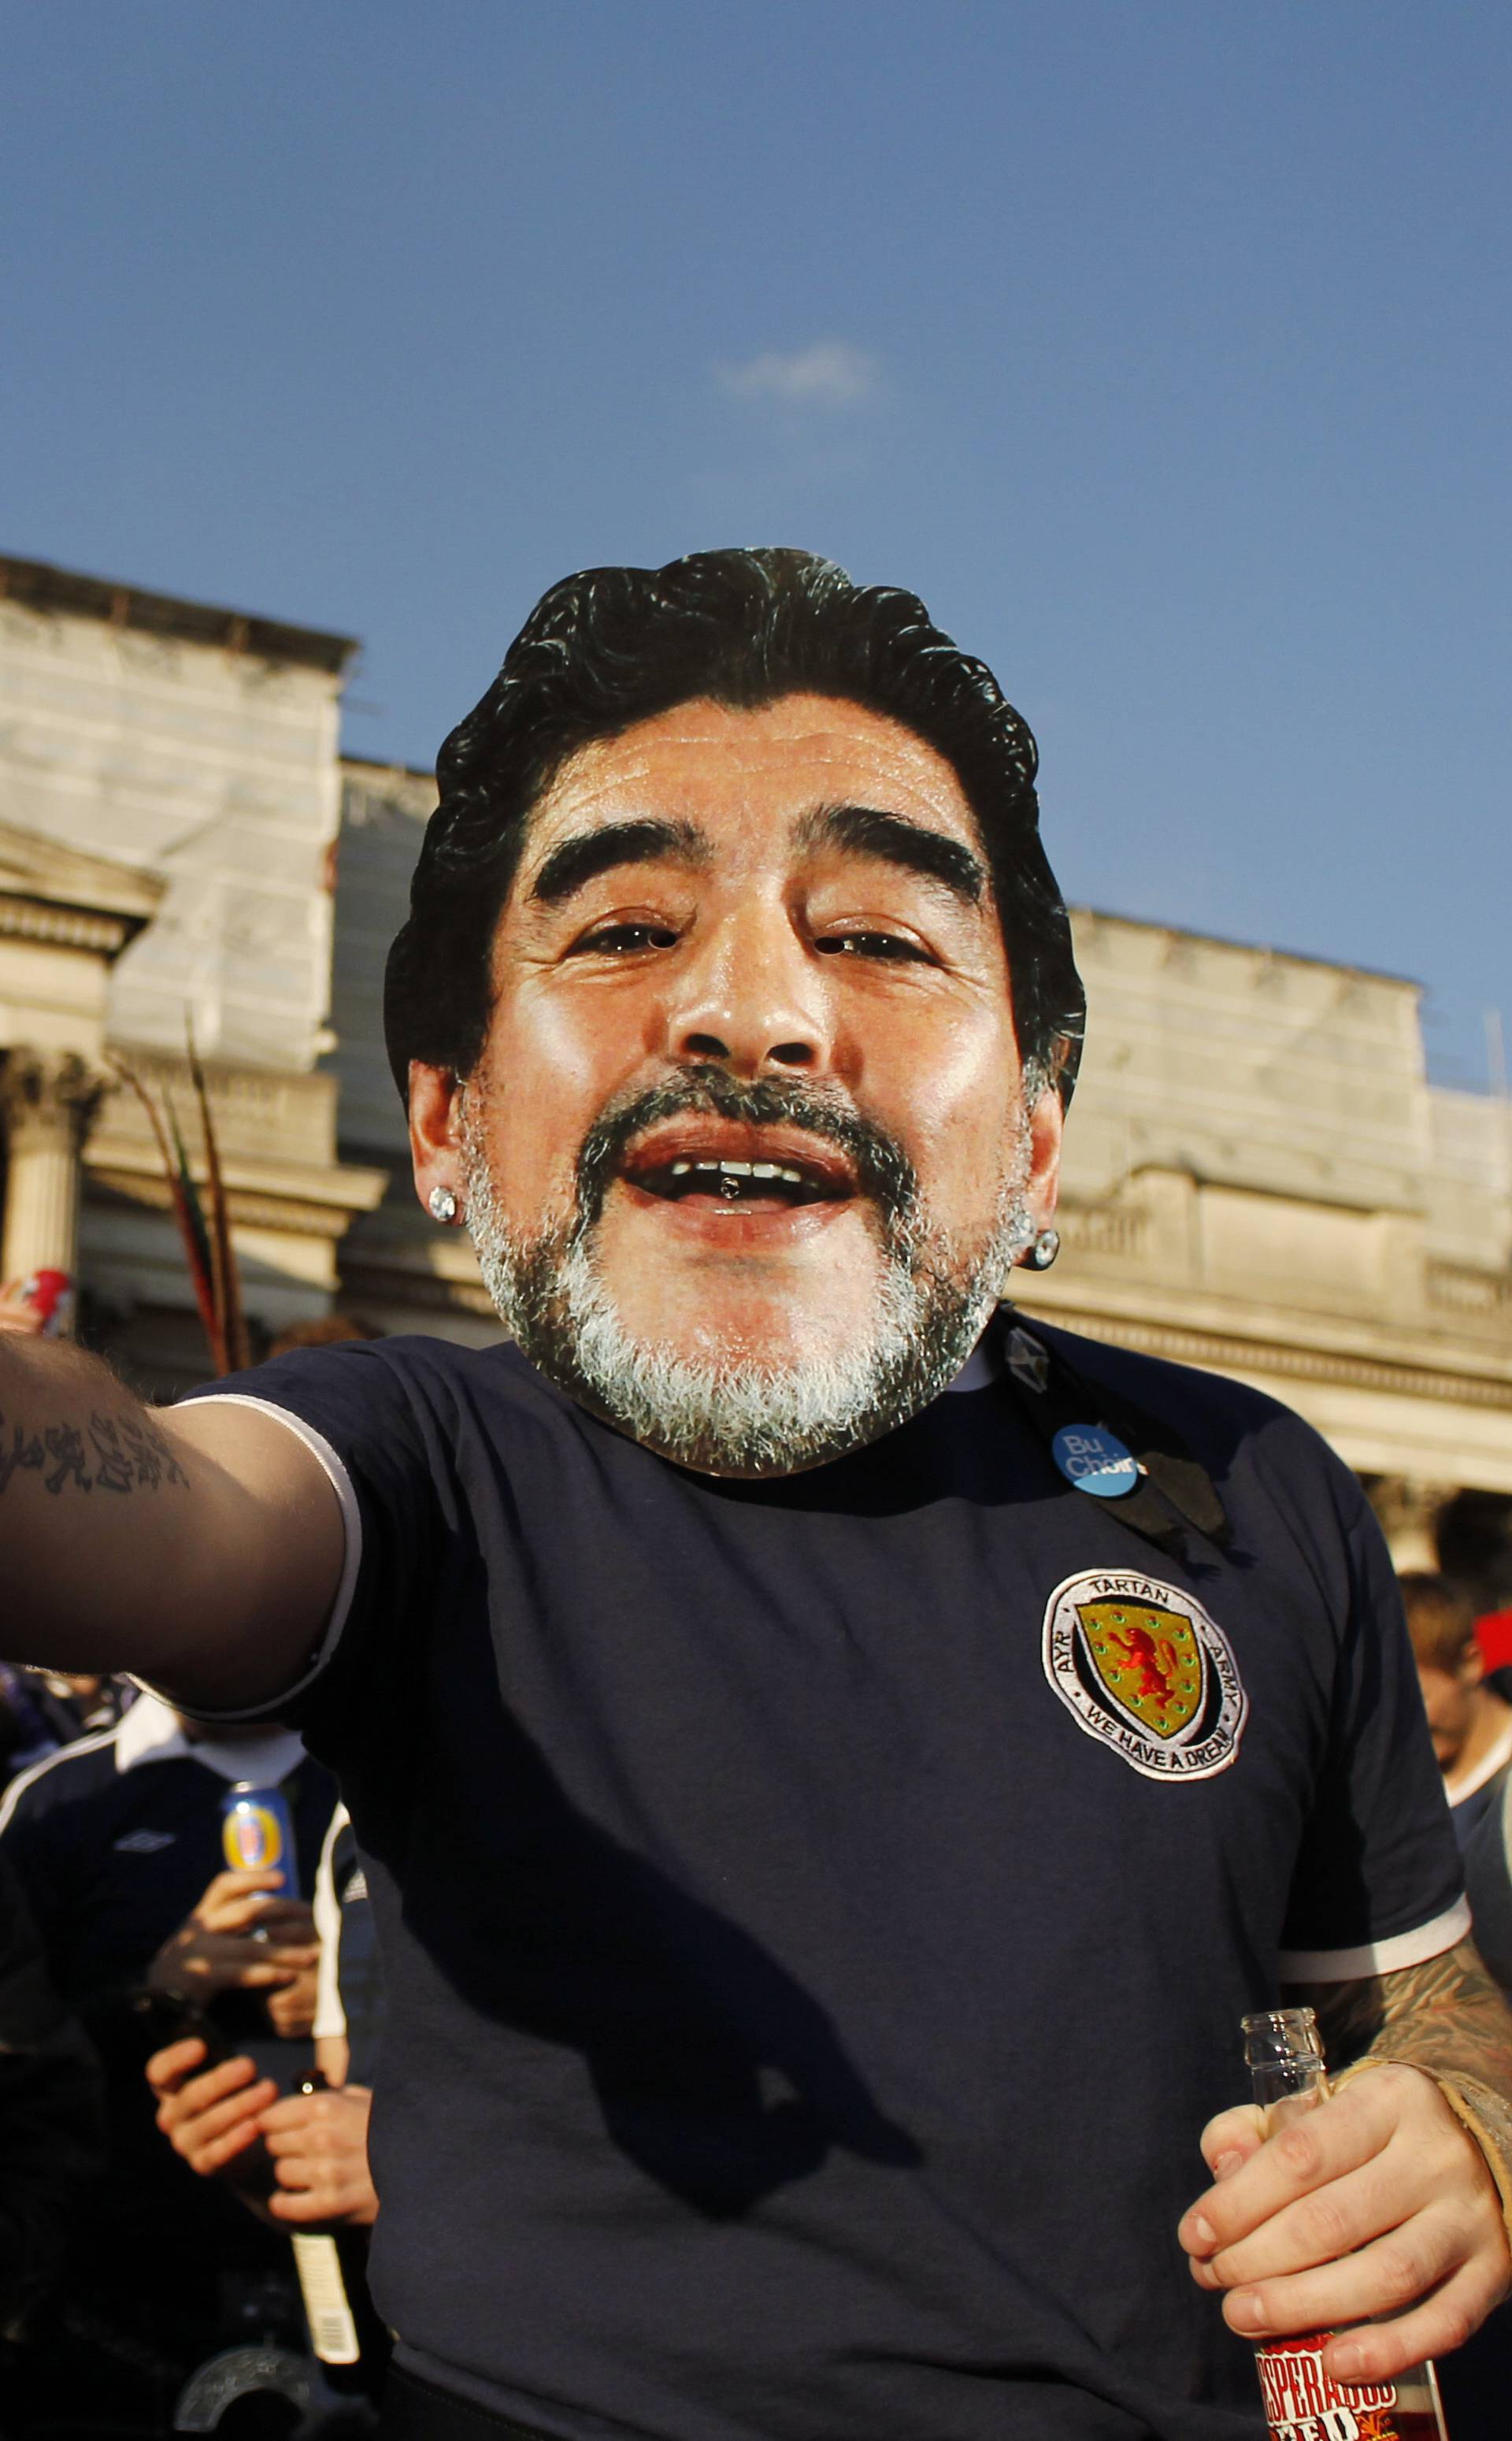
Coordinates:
[200,1546]
[1386,2202]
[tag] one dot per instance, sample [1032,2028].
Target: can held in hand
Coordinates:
[257,1832]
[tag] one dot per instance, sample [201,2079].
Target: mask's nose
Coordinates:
[752,1001]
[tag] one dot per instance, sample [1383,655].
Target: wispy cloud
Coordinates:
[829,374]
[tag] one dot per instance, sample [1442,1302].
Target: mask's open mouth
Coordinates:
[735,1167]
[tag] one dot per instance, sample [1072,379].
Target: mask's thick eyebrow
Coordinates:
[578,860]
[866,830]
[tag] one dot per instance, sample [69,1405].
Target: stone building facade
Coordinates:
[1260,1179]
[1259,1176]
[170,807]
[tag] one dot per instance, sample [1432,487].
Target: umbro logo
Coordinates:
[144,1843]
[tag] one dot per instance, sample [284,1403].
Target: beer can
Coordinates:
[257,1832]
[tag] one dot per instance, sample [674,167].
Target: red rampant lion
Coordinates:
[1157,1663]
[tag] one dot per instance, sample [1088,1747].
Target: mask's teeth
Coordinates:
[724,1177]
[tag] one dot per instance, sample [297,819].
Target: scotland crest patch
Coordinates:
[1144,1668]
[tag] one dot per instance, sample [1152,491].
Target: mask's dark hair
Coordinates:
[617,645]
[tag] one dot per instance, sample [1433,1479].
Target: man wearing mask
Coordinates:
[833,1761]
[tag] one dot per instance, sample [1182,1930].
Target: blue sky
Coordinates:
[1163,348]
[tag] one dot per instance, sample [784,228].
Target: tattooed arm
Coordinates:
[199,1545]
[1446,2016]
[1388,2200]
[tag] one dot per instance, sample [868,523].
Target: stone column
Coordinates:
[1407,1511]
[47,1104]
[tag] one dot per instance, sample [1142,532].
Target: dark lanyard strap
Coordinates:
[1172,1492]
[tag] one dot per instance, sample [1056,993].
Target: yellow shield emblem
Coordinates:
[1149,1659]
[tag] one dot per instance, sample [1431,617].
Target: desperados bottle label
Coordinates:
[1302,2403]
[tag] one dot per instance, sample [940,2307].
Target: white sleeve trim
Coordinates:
[34,1771]
[329,2016]
[1489,1764]
[351,1522]
[1377,1957]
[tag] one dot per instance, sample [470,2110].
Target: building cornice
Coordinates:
[63,898]
[36,585]
[63,928]
[1218,1351]
[1087,921]
[369,767]
[273,1195]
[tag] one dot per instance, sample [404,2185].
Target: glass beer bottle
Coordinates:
[1301,2402]
[330,2262]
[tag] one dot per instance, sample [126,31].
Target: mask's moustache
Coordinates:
[883,1171]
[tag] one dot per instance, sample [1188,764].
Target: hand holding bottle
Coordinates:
[1371,2217]
[318,2141]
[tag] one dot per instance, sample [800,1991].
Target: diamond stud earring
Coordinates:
[443,1203]
[1043,1252]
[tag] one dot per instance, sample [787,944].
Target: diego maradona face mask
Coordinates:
[739,1415]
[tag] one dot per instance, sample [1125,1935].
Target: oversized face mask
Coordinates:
[746,1159]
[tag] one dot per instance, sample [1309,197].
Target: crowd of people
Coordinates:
[185,2062]
[183,2086]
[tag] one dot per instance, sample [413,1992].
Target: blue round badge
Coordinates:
[1092,1460]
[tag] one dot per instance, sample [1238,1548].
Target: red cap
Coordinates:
[1493,1633]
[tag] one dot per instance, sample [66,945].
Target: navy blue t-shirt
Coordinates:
[817,1913]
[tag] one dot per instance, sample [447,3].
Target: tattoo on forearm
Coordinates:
[111,1454]
[1446,2014]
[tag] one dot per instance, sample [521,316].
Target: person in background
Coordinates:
[43,1710]
[116,1842]
[1489,1885]
[221,2118]
[348,1980]
[317,2141]
[1476,2383]
[326,1331]
[1493,1633]
[1471,1724]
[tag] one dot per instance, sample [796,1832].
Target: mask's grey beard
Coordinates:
[741,1417]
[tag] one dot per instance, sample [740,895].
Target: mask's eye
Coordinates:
[623,940]
[888,947]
